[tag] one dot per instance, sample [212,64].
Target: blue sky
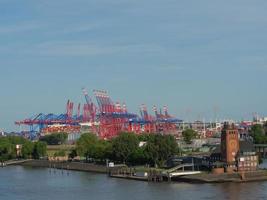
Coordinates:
[191,55]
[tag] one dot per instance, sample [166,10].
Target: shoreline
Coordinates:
[254,176]
[75,166]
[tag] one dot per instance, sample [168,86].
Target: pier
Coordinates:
[179,170]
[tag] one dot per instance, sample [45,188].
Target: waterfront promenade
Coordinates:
[78,166]
[125,173]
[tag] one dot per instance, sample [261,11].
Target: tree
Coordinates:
[103,150]
[124,146]
[7,150]
[189,135]
[90,147]
[258,134]
[86,145]
[39,150]
[257,129]
[144,137]
[27,149]
[139,157]
[8,146]
[54,138]
[159,148]
[16,139]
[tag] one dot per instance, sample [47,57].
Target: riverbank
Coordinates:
[78,166]
[13,162]
[254,176]
[260,175]
[130,177]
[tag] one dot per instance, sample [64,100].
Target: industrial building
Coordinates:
[104,118]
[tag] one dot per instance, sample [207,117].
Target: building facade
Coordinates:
[235,154]
[229,145]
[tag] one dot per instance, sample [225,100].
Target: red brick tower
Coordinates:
[229,144]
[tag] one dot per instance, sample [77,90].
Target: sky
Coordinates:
[204,59]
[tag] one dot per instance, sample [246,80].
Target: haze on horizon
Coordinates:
[191,55]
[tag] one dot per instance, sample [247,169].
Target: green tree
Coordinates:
[16,139]
[103,150]
[86,145]
[258,134]
[39,150]
[54,138]
[139,157]
[8,147]
[124,146]
[27,149]
[144,137]
[7,150]
[189,135]
[159,148]
[257,129]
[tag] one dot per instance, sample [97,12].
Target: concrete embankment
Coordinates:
[79,166]
[260,175]
[131,177]
[13,162]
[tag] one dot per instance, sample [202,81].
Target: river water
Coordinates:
[26,183]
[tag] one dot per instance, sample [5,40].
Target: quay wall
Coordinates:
[79,166]
[260,175]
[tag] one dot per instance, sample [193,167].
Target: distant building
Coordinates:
[248,160]
[72,137]
[234,154]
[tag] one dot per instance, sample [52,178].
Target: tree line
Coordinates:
[152,149]
[29,149]
[259,133]
[54,138]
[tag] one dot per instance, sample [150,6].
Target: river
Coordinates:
[26,183]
